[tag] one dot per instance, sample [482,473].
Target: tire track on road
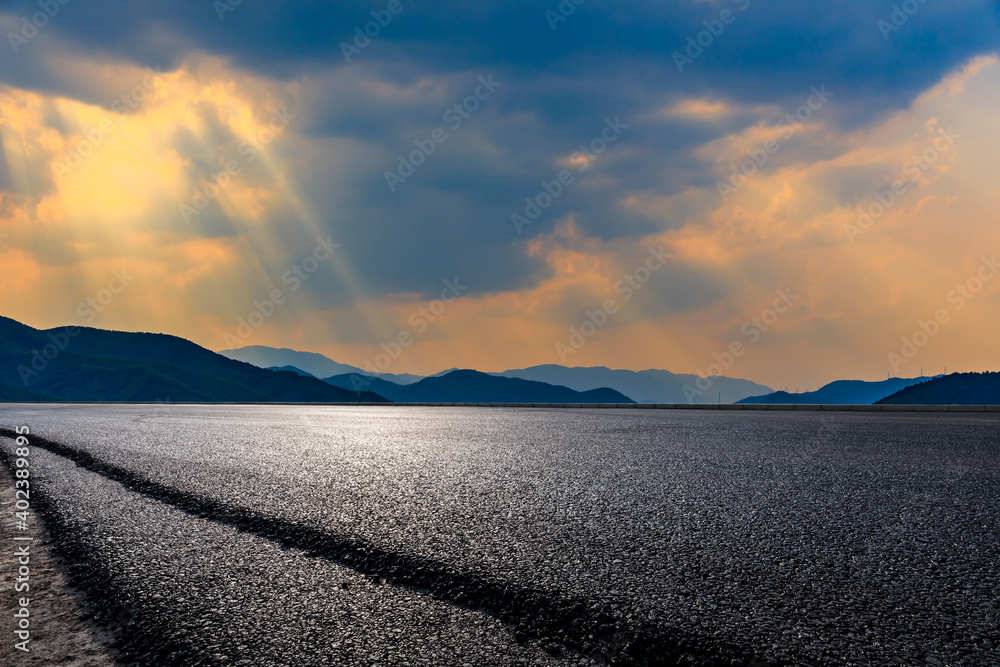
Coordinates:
[557,623]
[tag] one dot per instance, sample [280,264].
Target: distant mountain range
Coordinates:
[94,365]
[313,363]
[475,387]
[650,386]
[954,389]
[83,364]
[841,392]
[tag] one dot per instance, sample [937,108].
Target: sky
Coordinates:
[787,192]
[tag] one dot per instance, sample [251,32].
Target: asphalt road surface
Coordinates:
[464,536]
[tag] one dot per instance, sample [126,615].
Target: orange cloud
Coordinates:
[70,228]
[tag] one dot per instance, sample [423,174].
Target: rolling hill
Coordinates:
[84,364]
[841,392]
[313,363]
[649,386]
[468,386]
[292,369]
[954,389]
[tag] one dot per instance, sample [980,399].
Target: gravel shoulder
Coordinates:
[62,630]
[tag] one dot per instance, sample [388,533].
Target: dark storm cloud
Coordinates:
[606,60]
[768,47]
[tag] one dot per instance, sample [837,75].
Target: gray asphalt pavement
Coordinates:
[438,536]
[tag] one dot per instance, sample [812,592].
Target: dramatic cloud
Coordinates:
[534,160]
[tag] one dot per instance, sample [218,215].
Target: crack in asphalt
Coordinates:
[557,623]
